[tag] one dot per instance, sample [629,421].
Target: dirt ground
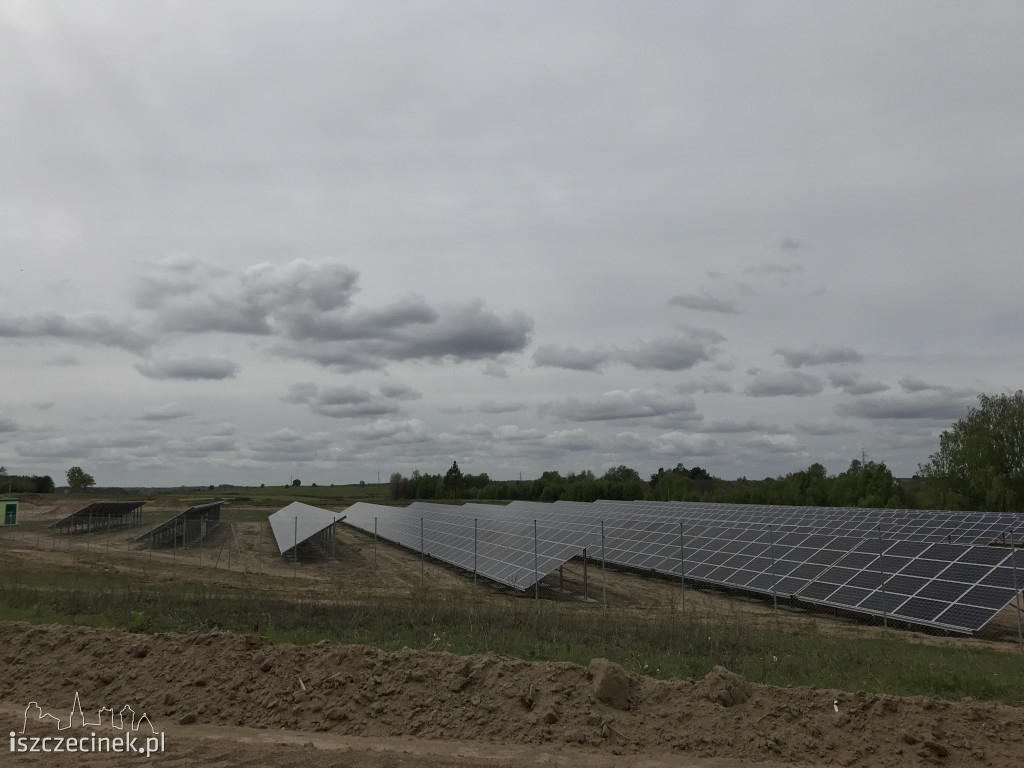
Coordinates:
[231,700]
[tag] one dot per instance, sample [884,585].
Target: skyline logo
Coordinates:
[125,720]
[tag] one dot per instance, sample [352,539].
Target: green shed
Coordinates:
[8,511]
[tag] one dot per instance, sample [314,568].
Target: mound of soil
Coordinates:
[221,679]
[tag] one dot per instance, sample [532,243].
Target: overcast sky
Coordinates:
[243,242]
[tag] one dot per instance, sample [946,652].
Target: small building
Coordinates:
[8,511]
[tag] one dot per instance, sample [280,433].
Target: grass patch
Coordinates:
[660,643]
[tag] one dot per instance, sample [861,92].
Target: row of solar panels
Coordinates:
[947,570]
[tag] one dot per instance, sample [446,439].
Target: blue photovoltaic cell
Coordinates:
[818,555]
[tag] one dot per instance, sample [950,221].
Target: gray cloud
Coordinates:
[489,406]
[388,431]
[470,332]
[677,353]
[8,425]
[345,402]
[912,384]
[261,300]
[938,408]
[400,392]
[793,383]
[727,426]
[63,361]
[823,428]
[706,386]
[790,245]
[189,368]
[88,328]
[851,384]
[556,356]
[703,303]
[495,370]
[44,405]
[616,405]
[819,356]
[775,269]
[166,412]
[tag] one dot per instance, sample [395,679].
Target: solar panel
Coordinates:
[515,552]
[298,523]
[100,516]
[920,566]
[189,526]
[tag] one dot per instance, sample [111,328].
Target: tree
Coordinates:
[296,482]
[980,461]
[78,479]
[453,479]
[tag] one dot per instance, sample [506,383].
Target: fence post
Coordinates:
[775,580]
[1016,589]
[375,551]
[586,585]
[604,575]
[682,570]
[881,574]
[474,549]
[421,553]
[536,583]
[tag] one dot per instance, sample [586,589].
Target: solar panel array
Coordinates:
[949,570]
[189,526]
[100,515]
[298,523]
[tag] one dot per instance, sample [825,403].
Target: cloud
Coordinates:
[790,245]
[189,368]
[470,332]
[489,406]
[936,407]
[44,405]
[571,358]
[851,384]
[686,444]
[63,361]
[792,383]
[774,269]
[495,370]
[819,356]
[706,386]
[676,353]
[385,430]
[400,392]
[166,412]
[569,440]
[703,303]
[344,402]
[619,405]
[263,299]
[88,328]
[912,384]
[772,443]
[726,426]
[823,428]
[8,425]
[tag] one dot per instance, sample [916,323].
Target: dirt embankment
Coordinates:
[217,680]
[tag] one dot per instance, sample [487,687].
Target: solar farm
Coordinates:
[850,599]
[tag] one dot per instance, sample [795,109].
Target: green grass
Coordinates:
[657,643]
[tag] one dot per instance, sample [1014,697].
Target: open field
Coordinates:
[385,597]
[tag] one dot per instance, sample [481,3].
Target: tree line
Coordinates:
[979,466]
